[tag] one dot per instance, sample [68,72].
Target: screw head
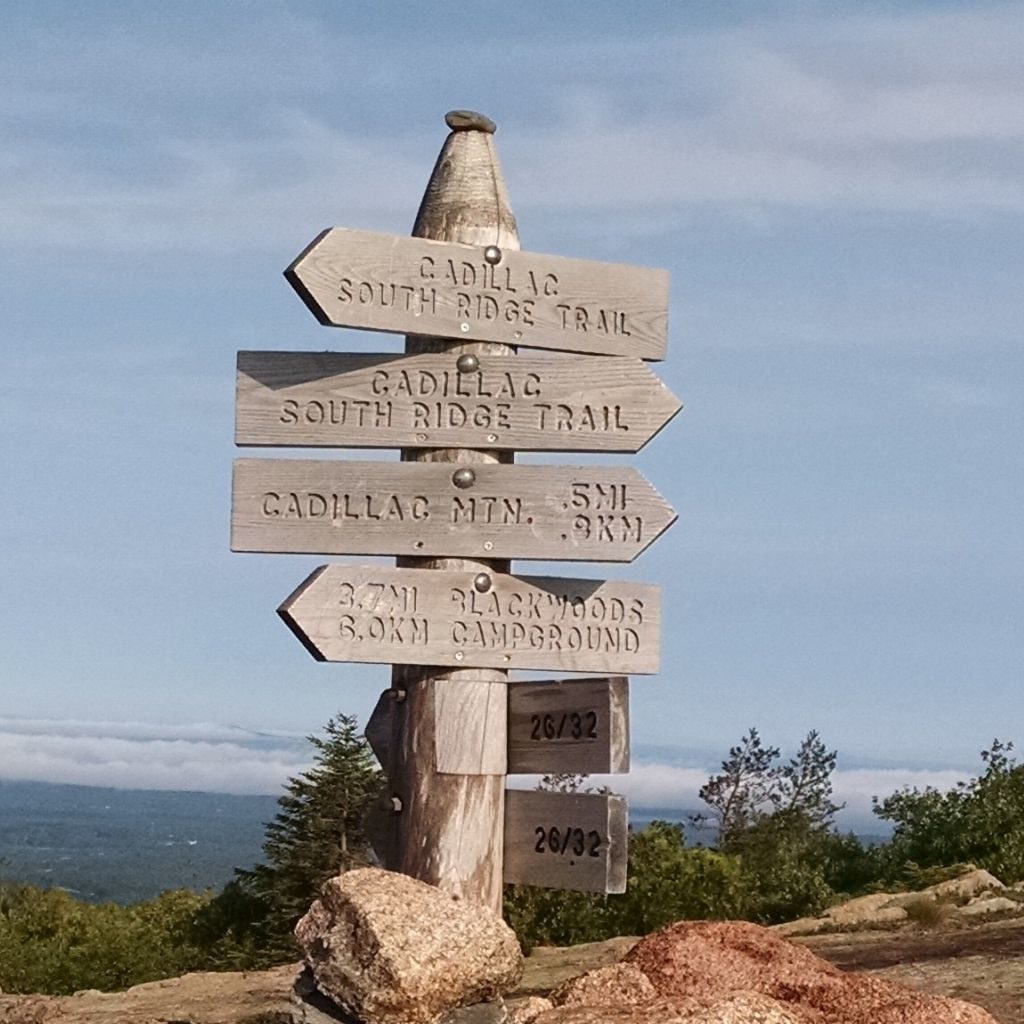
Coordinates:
[463,478]
[492,254]
[482,582]
[467,363]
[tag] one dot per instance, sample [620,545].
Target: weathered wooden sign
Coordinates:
[569,725]
[416,286]
[566,840]
[476,620]
[563,725]
[378,726]
[331,507]
[529,403]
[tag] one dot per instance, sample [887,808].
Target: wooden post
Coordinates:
[447,758]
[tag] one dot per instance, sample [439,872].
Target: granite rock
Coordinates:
[710,961]
[392,950]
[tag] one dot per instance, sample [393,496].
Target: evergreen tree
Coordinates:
[744,791]
[318,831]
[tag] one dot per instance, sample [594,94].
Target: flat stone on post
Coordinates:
[469,121]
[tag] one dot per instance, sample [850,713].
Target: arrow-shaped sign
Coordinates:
[378,726]
[568,513]
[528,403]
[476,620]
[417,286]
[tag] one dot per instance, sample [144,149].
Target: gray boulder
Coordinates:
[392,950]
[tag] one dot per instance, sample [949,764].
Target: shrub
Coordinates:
[926,911]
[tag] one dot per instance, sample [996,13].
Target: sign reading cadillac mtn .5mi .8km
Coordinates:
[451,618]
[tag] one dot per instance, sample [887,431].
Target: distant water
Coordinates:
[126,845]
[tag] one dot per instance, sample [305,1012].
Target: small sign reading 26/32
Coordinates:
[569,840]
[565,840]
[570,725]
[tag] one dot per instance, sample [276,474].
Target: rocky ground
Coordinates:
[963,938]
[980,963]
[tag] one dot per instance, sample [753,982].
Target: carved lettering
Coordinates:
[487,509]
[344,507]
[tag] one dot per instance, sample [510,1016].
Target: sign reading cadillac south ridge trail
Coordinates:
[552,403]
[428,617]
[451,618]
[489,511]
[417,286]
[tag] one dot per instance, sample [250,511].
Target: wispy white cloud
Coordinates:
[225,141]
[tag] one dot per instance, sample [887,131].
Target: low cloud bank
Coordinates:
[226,759]
[136,755]
[656,785]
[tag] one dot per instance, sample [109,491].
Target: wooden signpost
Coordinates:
[450,617]
[328,507]
[476,620]
[420,286]
[555,726]
[524,403]
[566,840]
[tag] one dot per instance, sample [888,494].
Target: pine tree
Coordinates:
[318,831]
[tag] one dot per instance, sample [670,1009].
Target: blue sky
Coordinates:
[837,190]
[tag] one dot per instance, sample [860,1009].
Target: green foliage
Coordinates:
[52,943]
[667,882]
[753,787]
[776,819]
[778,857]
[670,882]
[317,834]
[782,858]
[980,821]
[926,912]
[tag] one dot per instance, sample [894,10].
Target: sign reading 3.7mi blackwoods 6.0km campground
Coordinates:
[418,286]
[451,727]
[465,619]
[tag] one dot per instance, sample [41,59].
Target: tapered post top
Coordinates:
[466,200]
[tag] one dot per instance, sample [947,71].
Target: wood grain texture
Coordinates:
[466,742]
[568,513]
[450,828]
[420,617]
[420,286]
[569,725]
[566,840]
[528,403]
